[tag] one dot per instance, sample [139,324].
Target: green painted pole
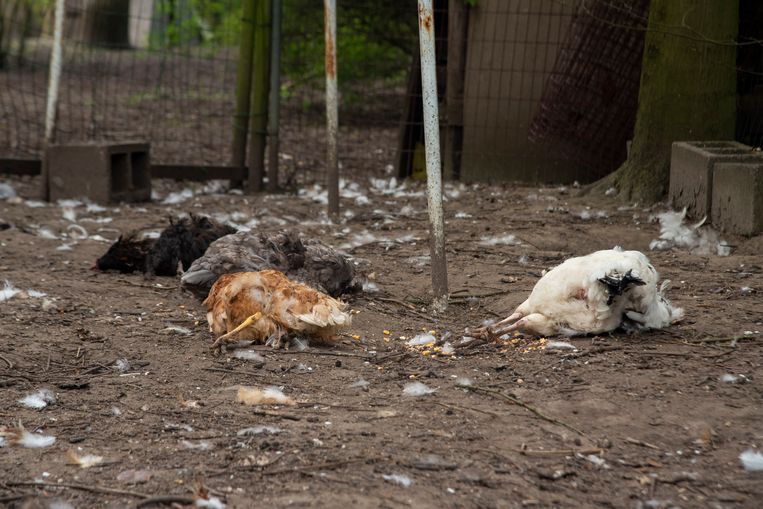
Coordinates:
[260,92]
[243,88]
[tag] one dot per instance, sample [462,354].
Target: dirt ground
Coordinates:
[637,421]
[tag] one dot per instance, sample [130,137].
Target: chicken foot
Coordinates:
[225,338]
[491,331]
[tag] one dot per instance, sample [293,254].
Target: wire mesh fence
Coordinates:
[542,90]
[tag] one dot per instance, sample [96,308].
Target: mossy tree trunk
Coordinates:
[688,89]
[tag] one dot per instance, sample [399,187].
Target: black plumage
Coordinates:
[182,242]
[179,244]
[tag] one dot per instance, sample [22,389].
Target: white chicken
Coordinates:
[593,294]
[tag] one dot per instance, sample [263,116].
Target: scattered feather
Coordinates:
[270,396]
[69,214]
[8,292]
[65,247]
[259,430]
[360,384]
[370,287]
[421,340]
[46,233]
[178,330]
[20,436]
[464,382]
[94,208]
[84,461]
[301,344]
[6,191]
[462,215]
[596,460]
[249,355]
[210,503]
[39,400]
[69,203]
[752,460]
[77,232]
[447,349]
[132,476]
[201,445]
[122,365]
[178,197]
[696,238]
[415,389]
[60,504]
[35,204]
[611,191]
[399,479]
[559,345]
[507,240]
[115,411]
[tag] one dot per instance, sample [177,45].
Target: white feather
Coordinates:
[399,479]
[415,389]
[752,460]
[39,400]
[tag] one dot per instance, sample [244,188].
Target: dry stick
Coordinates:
[524,405]
[410,307]
[319,466]
[561,452]
[83,487]
[233,372]
[457,407]
[10,364]
[316,352]
[165,499]
[479,295]
[635,441]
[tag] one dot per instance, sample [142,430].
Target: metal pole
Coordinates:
[243,88]
[432,142]
[332,111]
[54,77]
[54,81]
[275,96]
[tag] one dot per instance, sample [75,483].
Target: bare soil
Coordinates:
[656,426]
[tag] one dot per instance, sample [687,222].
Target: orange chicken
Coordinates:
[266,306]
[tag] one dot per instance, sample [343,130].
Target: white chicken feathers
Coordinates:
[594,294]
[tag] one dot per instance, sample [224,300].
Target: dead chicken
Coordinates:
[179,244]
[267,307]
[309,261]
[590,295]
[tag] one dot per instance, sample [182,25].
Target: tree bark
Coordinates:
[687,92]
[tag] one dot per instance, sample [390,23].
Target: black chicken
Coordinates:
[179,244]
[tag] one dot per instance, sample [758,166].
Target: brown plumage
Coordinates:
[266,306]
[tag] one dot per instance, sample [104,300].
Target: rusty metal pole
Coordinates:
[332,108]
[275,96]
[434,169]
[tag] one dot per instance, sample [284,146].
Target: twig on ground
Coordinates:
[532,409]
[7,361]
[165,499]
[82,487]
[463,296]
[560,452]
[153,287]
[472,409]
[410,307]
[319,466]
[636,441]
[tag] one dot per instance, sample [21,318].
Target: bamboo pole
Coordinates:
[332,109]
[434,170]
[260,84]
[243,88]
[275,96]
[54,82]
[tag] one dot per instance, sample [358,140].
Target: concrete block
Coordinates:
[101,171]
[691,171]
[738,198]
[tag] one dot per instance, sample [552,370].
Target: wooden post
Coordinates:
[54,81]
[243,88]
[434,169]
[458,24]
[275,97]
[260,85]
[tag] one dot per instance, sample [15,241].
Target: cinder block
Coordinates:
[101,171]
[738,198]
[691,171]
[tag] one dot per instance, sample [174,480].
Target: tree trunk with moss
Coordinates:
[688,90]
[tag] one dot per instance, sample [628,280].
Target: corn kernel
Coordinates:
[386,332]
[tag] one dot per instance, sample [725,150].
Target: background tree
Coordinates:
[688,90]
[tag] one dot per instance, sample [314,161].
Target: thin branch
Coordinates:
[82,487]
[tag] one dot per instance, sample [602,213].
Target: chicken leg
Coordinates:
[225,338]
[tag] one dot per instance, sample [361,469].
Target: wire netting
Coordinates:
[536,90]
